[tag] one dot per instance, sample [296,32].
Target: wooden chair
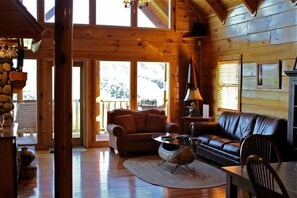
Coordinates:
[261,145]
[264,178]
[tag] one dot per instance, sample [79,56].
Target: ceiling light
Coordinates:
[140,3]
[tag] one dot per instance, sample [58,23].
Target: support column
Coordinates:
[63,98]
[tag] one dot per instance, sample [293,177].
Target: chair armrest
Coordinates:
[171,127]
[115,129]
[199,128]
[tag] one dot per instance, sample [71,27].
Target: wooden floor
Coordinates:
[98,172]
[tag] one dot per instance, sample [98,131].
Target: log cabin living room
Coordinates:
[72,70]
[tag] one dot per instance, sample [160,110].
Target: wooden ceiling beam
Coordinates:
[156,14]
[251,5]
[218,10]
[193,7]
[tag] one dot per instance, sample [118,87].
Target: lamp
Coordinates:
[193,94]
[141,3]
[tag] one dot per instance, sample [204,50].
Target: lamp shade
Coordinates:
[193,94]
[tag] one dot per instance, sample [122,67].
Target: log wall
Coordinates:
[268,37]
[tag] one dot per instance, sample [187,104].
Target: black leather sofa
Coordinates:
[220,141]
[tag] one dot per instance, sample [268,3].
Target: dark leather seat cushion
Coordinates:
[219,143]
[232,147]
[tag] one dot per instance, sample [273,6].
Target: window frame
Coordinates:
[224,107]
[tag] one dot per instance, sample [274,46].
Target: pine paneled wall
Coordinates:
[268,37]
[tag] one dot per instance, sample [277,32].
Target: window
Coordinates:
[80,11]
[49,9]
[228,86]
[155,15]
[31,6]
[30,90]
[151,78]
[112,12]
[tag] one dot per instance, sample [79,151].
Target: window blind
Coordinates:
[228,86]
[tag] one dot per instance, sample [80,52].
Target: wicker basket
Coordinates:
[175,154]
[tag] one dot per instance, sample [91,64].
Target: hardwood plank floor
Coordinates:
[99,172]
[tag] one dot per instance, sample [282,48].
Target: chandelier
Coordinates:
[141,3]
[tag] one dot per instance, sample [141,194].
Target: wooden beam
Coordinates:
[251,5]
[218,10]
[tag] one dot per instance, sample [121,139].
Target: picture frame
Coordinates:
[269,75]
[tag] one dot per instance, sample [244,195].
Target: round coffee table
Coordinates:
[175,149]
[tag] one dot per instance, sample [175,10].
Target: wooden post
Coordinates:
[63,98]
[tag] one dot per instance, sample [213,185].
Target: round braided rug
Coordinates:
[147,169]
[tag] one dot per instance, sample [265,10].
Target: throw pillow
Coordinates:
[155,123]
[127,122]
[139,120]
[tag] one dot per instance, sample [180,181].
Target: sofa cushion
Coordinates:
[232,147]
[228,122]
[266,125]
[245,125]
[204,139]
[139,120]
[155,123]
[219,143]
[127,122]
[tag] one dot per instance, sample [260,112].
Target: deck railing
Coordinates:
[105,105]
[108,105]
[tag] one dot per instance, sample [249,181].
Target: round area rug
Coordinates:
[147,169]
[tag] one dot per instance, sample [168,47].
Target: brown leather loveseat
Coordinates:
[220,141]
[131,131]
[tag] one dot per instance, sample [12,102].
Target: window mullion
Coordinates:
[133,86]
[134,10]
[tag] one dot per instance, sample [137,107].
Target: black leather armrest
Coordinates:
[199,128]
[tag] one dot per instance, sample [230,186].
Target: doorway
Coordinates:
[78,132]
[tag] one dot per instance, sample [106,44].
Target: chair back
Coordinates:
[264,179]
[261,145]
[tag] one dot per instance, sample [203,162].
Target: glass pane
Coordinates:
[81,12]
[76,102]
[112,12]
[31,6]
[155,15]
[30,90]
[25,112]
[151,85]
[49,11]
[114,88]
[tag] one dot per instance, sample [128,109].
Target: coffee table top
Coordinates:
[172,138]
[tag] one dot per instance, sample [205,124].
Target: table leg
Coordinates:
[231,189]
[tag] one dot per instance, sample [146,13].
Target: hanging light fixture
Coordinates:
[141,3]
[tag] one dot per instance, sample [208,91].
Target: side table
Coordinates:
[188,120]
[175,150]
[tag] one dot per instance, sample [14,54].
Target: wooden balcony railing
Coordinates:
[108,105]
